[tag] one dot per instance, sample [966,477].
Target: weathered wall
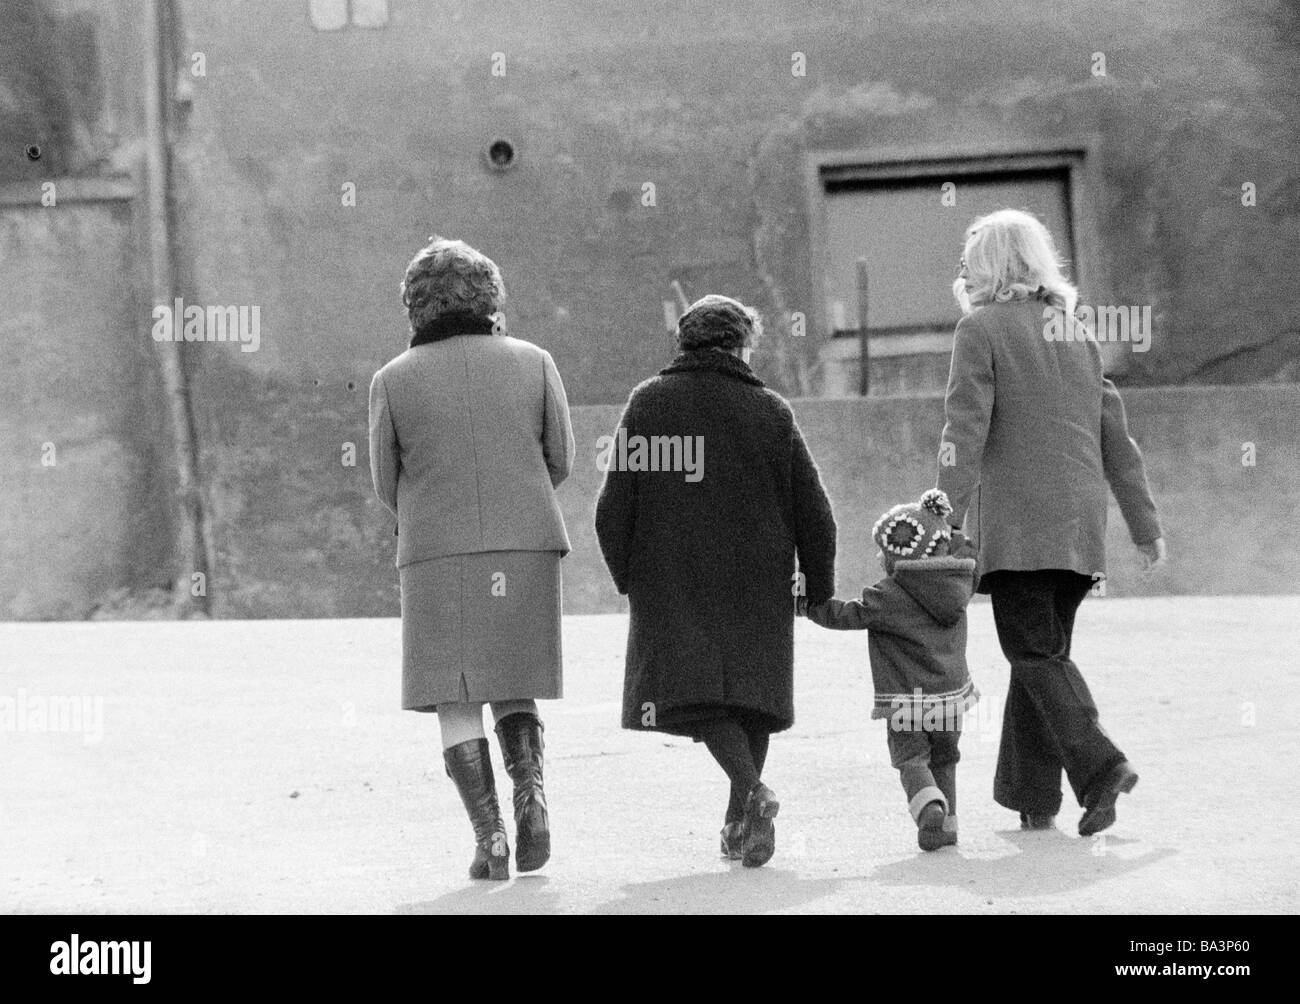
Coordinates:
[599,99]
[602,99]
[1226,523]
[92,530]
[71,85]
[84,500]
[700,100]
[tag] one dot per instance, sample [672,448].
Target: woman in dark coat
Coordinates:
[1035,433]
[469,436]
[710,495]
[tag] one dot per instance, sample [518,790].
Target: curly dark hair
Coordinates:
[449,276]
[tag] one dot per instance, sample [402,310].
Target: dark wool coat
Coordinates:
[917,641]
[1034,435]
[708,565]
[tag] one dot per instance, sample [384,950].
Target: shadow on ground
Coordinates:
[755,891]
[1044,864]
[522,894]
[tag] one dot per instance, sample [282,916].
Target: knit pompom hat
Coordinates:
[915,529]
[717,322]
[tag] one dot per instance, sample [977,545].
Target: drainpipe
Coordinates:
[191,551]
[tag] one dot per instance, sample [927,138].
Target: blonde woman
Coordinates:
[1034,435]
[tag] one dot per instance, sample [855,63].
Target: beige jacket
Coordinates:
[468,438]
[1034,435]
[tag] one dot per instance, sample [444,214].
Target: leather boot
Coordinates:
[521,746]
[759,832]
[733,840]
[469,765]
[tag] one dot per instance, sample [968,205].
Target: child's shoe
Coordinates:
[935,828]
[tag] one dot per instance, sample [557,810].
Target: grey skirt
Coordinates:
[481,627]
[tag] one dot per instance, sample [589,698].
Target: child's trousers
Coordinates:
[927,766]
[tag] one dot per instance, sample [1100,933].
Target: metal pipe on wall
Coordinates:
[189,594]
[864,354]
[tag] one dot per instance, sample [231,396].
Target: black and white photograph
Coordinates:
[664,458]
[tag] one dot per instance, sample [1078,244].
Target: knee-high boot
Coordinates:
[521,746]
[469,765]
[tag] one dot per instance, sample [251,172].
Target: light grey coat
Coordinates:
[1034,434]
[469,436]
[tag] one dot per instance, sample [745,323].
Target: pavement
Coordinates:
[265,767]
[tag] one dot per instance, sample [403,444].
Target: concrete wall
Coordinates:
[86,485]
[600,99]
[1226,524]
[699,100]
[71,84]
[92,531]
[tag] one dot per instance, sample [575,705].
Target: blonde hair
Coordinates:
[1010,255]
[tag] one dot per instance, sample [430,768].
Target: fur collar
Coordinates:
[449,325]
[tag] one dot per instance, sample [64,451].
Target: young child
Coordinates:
[916,619]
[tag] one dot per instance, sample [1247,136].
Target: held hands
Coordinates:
[1153,554]
[960,546]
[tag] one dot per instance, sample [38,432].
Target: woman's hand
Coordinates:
[1153,554]
[960,546]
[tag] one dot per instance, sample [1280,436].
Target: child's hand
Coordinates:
[960,546]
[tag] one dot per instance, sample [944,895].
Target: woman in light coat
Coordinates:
[1035,433]
[469,436]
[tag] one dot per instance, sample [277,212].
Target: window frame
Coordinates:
[1076,157]
[349,22]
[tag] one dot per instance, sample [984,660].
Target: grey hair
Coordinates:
[449,276]
[718,322]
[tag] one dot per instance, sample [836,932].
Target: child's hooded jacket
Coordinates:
[916,619]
